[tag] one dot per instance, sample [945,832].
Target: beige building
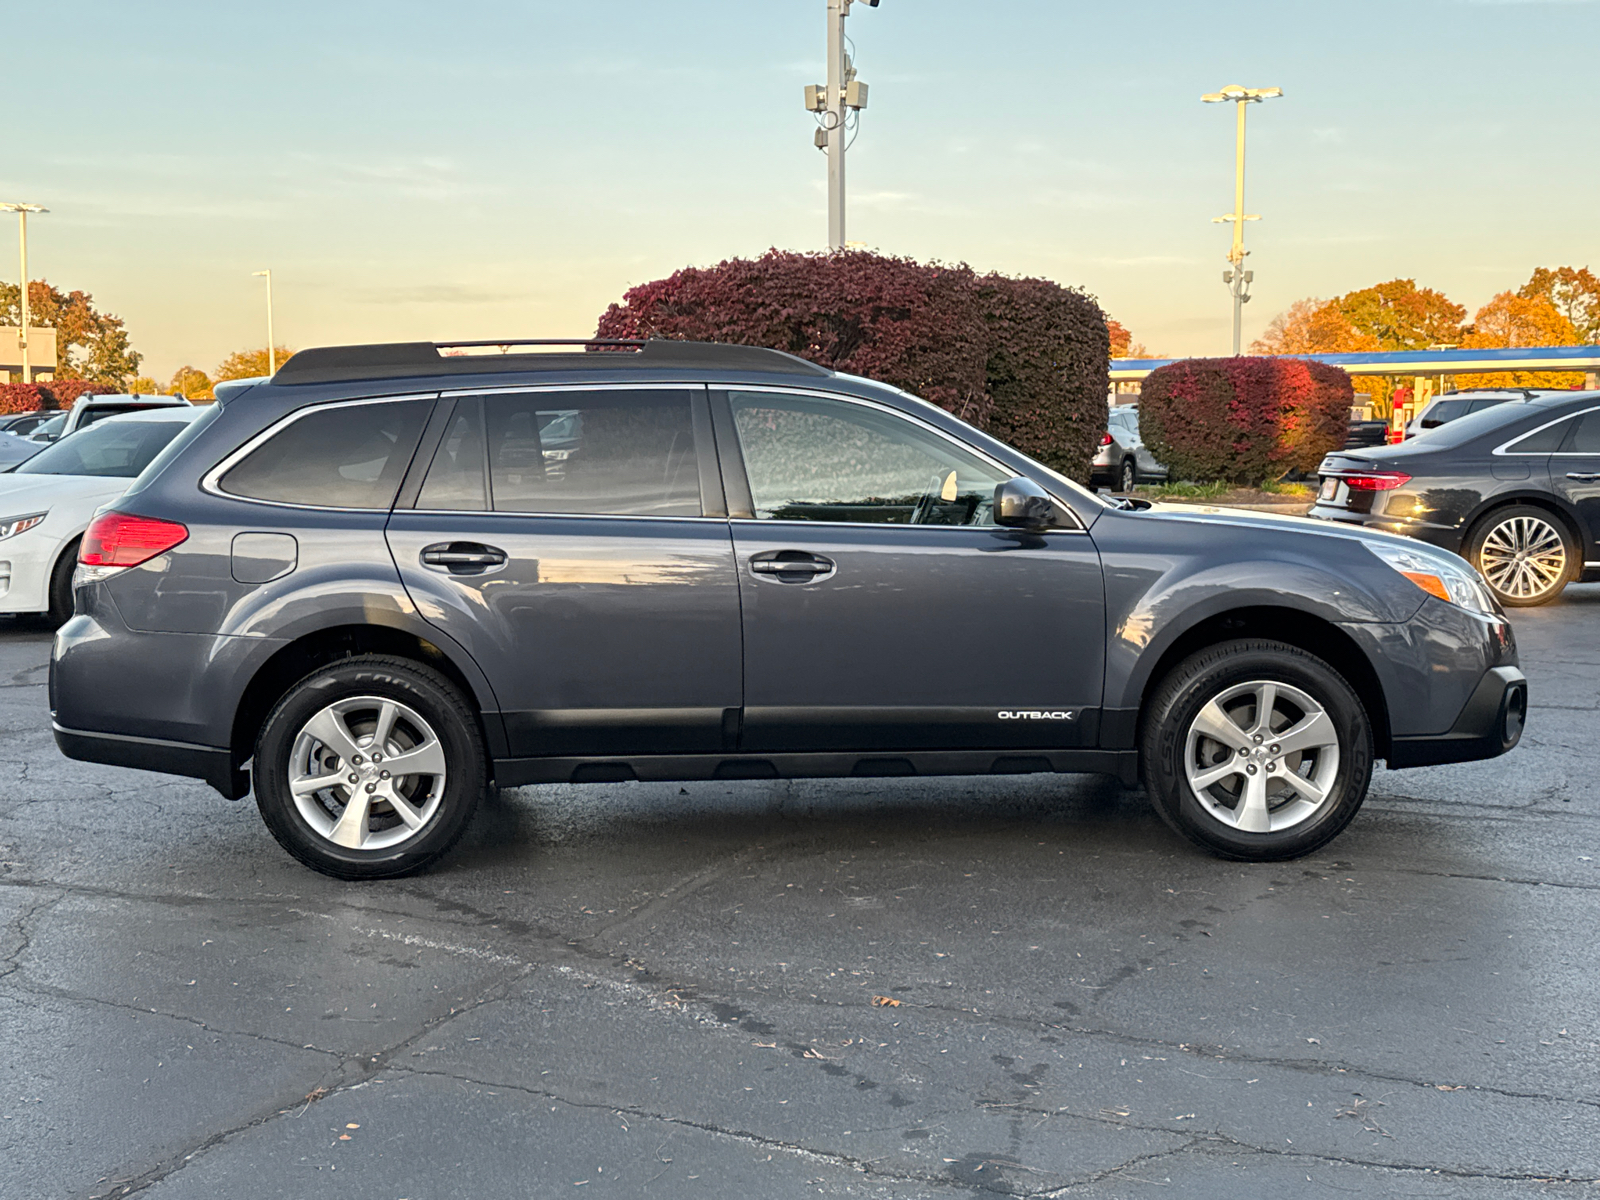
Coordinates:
[41,353]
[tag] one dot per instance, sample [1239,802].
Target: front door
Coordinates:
[563,538]
[883,609]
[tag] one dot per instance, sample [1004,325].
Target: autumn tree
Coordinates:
[249,364]
[192,384]
[89,344]
[1517,319]
[1575,294]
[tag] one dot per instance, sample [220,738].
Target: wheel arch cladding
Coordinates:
[1308,632]
[312,651]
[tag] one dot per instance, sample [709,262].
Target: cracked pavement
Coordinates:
[649,990]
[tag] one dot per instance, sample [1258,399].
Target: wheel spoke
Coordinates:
[426,759]
[410,814]
[1214,723]
[1266,704]
[1306,787]
[386,719]
[1201,780]
[351,829]
[328,728]
[1313,732]
[1252,815]
[307,785]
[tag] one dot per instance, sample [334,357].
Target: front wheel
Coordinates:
[1130,475]
[1257,750]
[61,599]
[1524,554]
[369,768]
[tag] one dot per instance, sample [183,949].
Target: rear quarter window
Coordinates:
[343,456]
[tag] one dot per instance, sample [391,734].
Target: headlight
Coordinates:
[1449,578]
[11,526]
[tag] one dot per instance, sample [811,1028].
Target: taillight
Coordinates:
[1105,439]
[117,539]
[1375,483]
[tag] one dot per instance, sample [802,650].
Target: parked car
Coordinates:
[47,502]
[1123,460]
[1441,410]
[89,409]
[22,424]
[14,449]
[1366,433]
[1514,488]
[361,589]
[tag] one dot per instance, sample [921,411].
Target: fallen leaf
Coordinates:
[885,1002]
[1449,1087]
[352,1125]
[344,1137]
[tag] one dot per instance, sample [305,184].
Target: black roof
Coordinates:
[406,360]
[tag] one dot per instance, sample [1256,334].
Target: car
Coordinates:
[22,424]
[47,501]
[1441,410]
[362,591]
[14,449]
[1366,433]
[99,407]
[1123,459]
[1513,488]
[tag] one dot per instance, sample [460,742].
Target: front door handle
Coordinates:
[463,558]
[792,566]
[1584,476]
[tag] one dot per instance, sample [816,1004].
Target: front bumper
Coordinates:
[1489,725]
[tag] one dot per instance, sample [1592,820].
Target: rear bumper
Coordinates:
[1446,537]
[1489,725]
[154,754]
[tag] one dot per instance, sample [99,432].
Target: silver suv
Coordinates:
[1123,460]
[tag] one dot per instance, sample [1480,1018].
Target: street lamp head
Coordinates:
[23,208]
[1235,91]
[267,273]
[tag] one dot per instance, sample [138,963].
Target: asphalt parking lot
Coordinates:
[890,988]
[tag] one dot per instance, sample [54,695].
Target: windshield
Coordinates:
[118,450]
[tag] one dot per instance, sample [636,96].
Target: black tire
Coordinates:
[432,698]
[1176,704]
[61,599]
[1506,524]
[1129,477]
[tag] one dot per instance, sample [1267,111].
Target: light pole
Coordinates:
[1236,276]
[22,211]
[272,346]
[832,101]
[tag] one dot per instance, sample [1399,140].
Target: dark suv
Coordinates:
[387,577]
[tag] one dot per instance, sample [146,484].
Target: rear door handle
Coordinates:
[1584,476]
[463,558]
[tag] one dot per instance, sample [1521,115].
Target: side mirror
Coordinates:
[1021,503]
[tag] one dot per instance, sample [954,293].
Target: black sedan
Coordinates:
[1514,489]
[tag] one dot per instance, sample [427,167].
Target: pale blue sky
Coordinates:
[478,169]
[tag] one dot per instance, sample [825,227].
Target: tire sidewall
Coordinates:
[435,701]
[1128,476]
[1206,675]
[60,600]
[1480,534]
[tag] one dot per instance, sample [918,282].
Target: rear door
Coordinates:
[882,607]
[574,540]
[1575,474]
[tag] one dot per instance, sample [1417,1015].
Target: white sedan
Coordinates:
[47,502]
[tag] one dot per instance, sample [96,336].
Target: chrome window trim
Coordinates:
[211,481]
[546,516]
[1504,449]
[891,410]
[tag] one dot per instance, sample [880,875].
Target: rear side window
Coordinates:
[1586,438]
[1541,441]
[1442,411]
[601,453]
[345,456]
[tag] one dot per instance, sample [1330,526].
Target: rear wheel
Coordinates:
[1525,554]
[61,601]
[370,768]
[1130,475]
[1257,750]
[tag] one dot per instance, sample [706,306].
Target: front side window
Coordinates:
[118,451]
[344,456]
[829,460]
[607,452]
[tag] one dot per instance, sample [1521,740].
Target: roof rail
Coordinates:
[404,360]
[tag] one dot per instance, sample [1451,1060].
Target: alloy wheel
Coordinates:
[1262,757]
[367,773]
[1523,557]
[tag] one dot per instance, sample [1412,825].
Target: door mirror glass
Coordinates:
[1021,503]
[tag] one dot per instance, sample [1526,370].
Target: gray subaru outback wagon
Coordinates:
[386,577]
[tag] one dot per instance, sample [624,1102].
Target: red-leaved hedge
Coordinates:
[1244,420]
[59,393]
[1025,359]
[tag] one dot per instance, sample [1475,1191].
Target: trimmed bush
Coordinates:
[24,397]
[67,391]
[1023,358]
[1244,420]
